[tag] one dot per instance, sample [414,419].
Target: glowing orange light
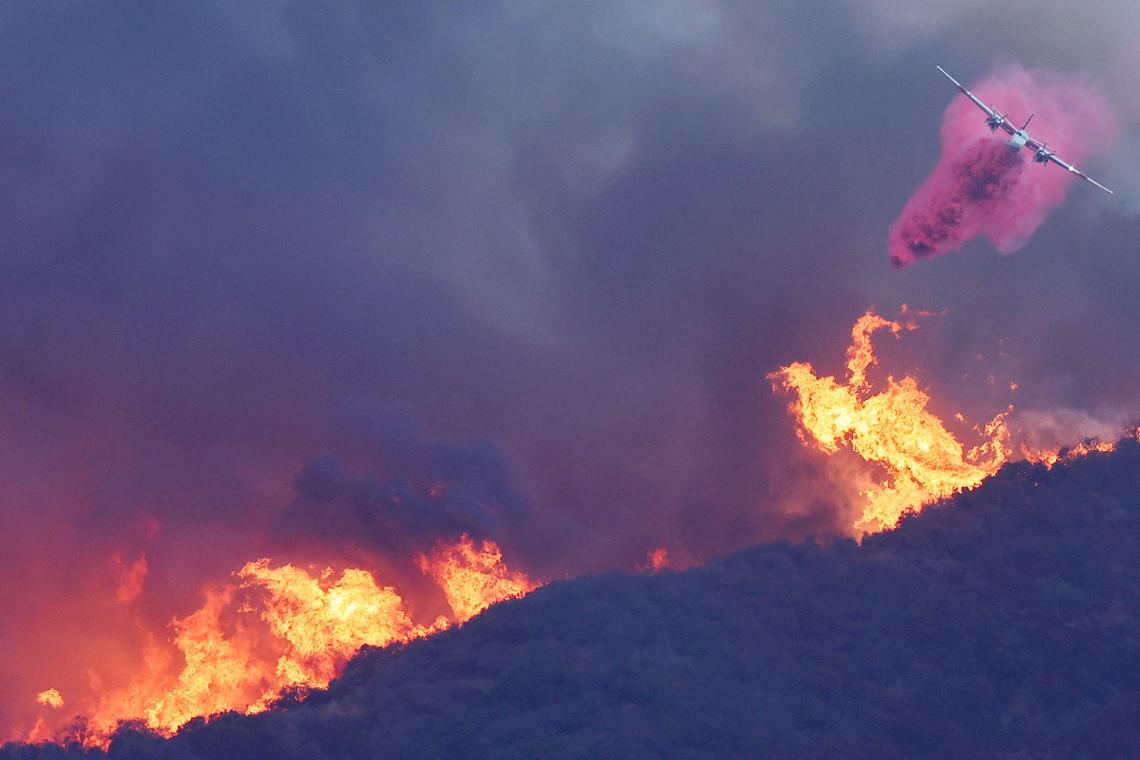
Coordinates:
[50,698]
[282,627]
[658,559]
[473,576]
[892,429]
[1050,457]
[322,622]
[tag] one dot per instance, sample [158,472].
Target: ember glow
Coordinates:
[920,460]
[279,627]
[1050,457]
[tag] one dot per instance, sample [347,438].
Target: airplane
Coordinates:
[1019,138]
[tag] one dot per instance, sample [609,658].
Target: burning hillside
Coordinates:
[892,429]
[1000,624]
[276,629]
[913,458]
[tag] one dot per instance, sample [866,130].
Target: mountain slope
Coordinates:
[1005,623]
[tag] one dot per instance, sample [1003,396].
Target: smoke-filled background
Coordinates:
[321,284]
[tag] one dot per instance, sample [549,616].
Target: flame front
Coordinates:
[473,576]
[1050,457]
[321,623]
[220,670]
[278,628]
[893,429]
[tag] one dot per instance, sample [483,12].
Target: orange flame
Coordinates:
[893,429]
[322,623]
[281,628]
[50,698]
[1050,457]
[473,576]
[219,673]
[658,559]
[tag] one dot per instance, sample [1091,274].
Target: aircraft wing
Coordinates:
[990,112]
[1074,170]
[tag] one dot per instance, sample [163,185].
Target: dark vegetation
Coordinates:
[1003,624]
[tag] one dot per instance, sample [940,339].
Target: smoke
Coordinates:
[982,187]
[1054,428]
[456,490]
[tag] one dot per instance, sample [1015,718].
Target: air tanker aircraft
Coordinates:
[1019,138]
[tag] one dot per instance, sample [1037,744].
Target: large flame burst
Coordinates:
[473,576]
[893,429]
[279,628]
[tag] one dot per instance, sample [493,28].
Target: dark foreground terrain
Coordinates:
[1005,624]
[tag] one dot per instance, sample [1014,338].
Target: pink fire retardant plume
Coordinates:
[980,186]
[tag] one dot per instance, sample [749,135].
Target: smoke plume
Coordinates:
[982,187]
